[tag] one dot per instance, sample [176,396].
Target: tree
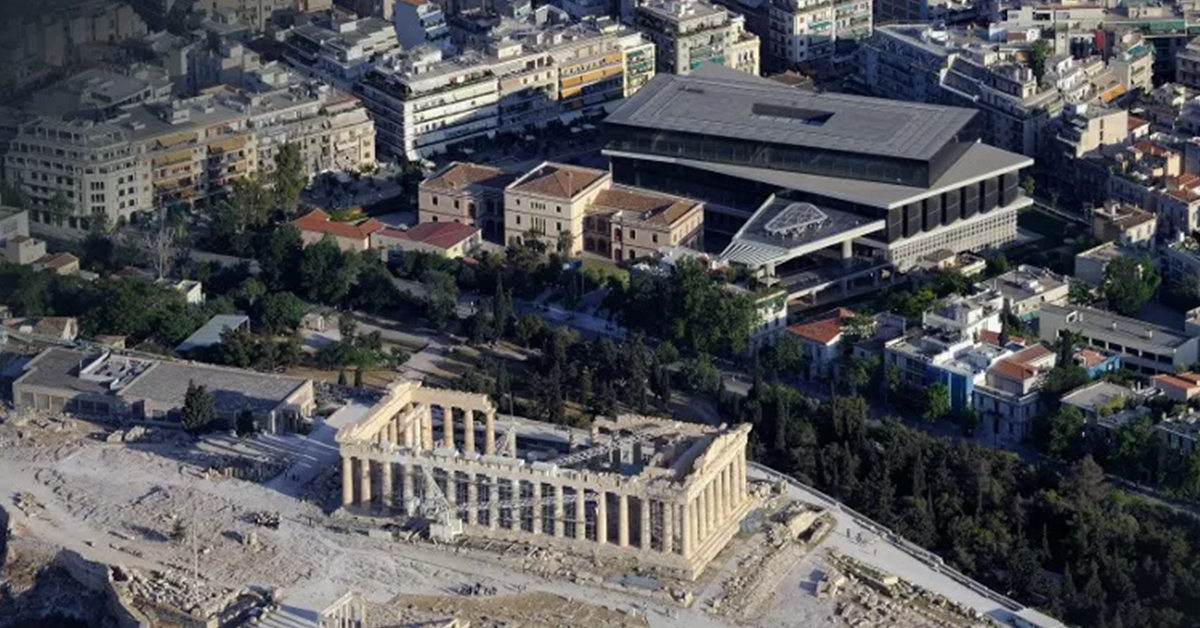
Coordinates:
[279,312]
[279,258]
[358,377]
[1037,57]
[251,203]
[1062,428]
[60,208]
[529,327]
[937,402]
[969,421]
[441,297]
[502,310]
[997,265]
[1029,186]
[789,354]
[288,179]
[161,243]
[326,273]
[198,411]
[1080,293]
[1129,282]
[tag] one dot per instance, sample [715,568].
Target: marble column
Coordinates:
[493,502]
[701,518]
[389,432]
[364,482]
[448,426]
[539,513]
[722,493]
[622,520]
[559,514]
[686,529]
[385,485]
[472,499]
[580,514]
[646,536]
[517,510]
[489,433]
[427,428]
[601,517]
[347,481]
[406,483]
[668,527]
[468,431]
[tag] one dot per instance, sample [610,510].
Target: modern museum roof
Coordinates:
[723,102]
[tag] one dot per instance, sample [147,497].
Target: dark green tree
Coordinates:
[198,412]
[937,402]
[279,312]
[1129,282]
[289,178]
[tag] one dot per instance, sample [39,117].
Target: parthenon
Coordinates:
[666,493]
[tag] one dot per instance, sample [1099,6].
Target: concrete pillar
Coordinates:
[580,514]
[558,511]
[385,484]
[847,250]
[622,520]
[516,510]
[646,535]
[347,481]
[448,426]
[686,529]
[364,482]
[668,527]
[493,501]
[489,433]
[601,517]
[406,482]
[539,513]
[468,431]
[472,499]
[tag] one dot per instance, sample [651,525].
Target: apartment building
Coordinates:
[1127,225]
[424,104]
[94,168]
[689,33]
[1145,347]
[1026,289]
[1008,400]
[421,23]
[468,194]
[1181,263]
[549,203]
[802,31]
[338,48]
[184,150]
[1187,65]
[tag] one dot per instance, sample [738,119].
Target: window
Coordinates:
[455,203]
[518,220]
[435,200]
[654,238]
[632,234]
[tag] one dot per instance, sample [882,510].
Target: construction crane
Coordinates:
[639,436]
[508,442]
[444,526]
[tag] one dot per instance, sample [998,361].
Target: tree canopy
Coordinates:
[1129,282]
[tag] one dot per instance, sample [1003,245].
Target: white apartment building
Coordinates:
[95,168]
[424,104]
[1145,347]
[806,30]
[421,23]
[340,50]
[689,33]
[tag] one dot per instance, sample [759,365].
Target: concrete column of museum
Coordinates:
[668,527]
[559,513]
[622,520]
[385,484]
[601,517]
[406,483]
[489,433]
[493,502]
[686,528]
[472,499]
[580,514]
[468,431]
[448,426]
[645,536]
[539,514]
[364,482]
[347,480]
[517,509]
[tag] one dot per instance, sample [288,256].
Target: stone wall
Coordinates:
[99,577]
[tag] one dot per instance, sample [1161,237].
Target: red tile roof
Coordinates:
[1090,357]
[1189,377]
[440,234]
[557,180]
[459,175]
[825,328]
[1173,381]
[17,239]
[1136,123]
[318,221]
[57,260]
[1029,354]
[993,338]
[1014,370]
